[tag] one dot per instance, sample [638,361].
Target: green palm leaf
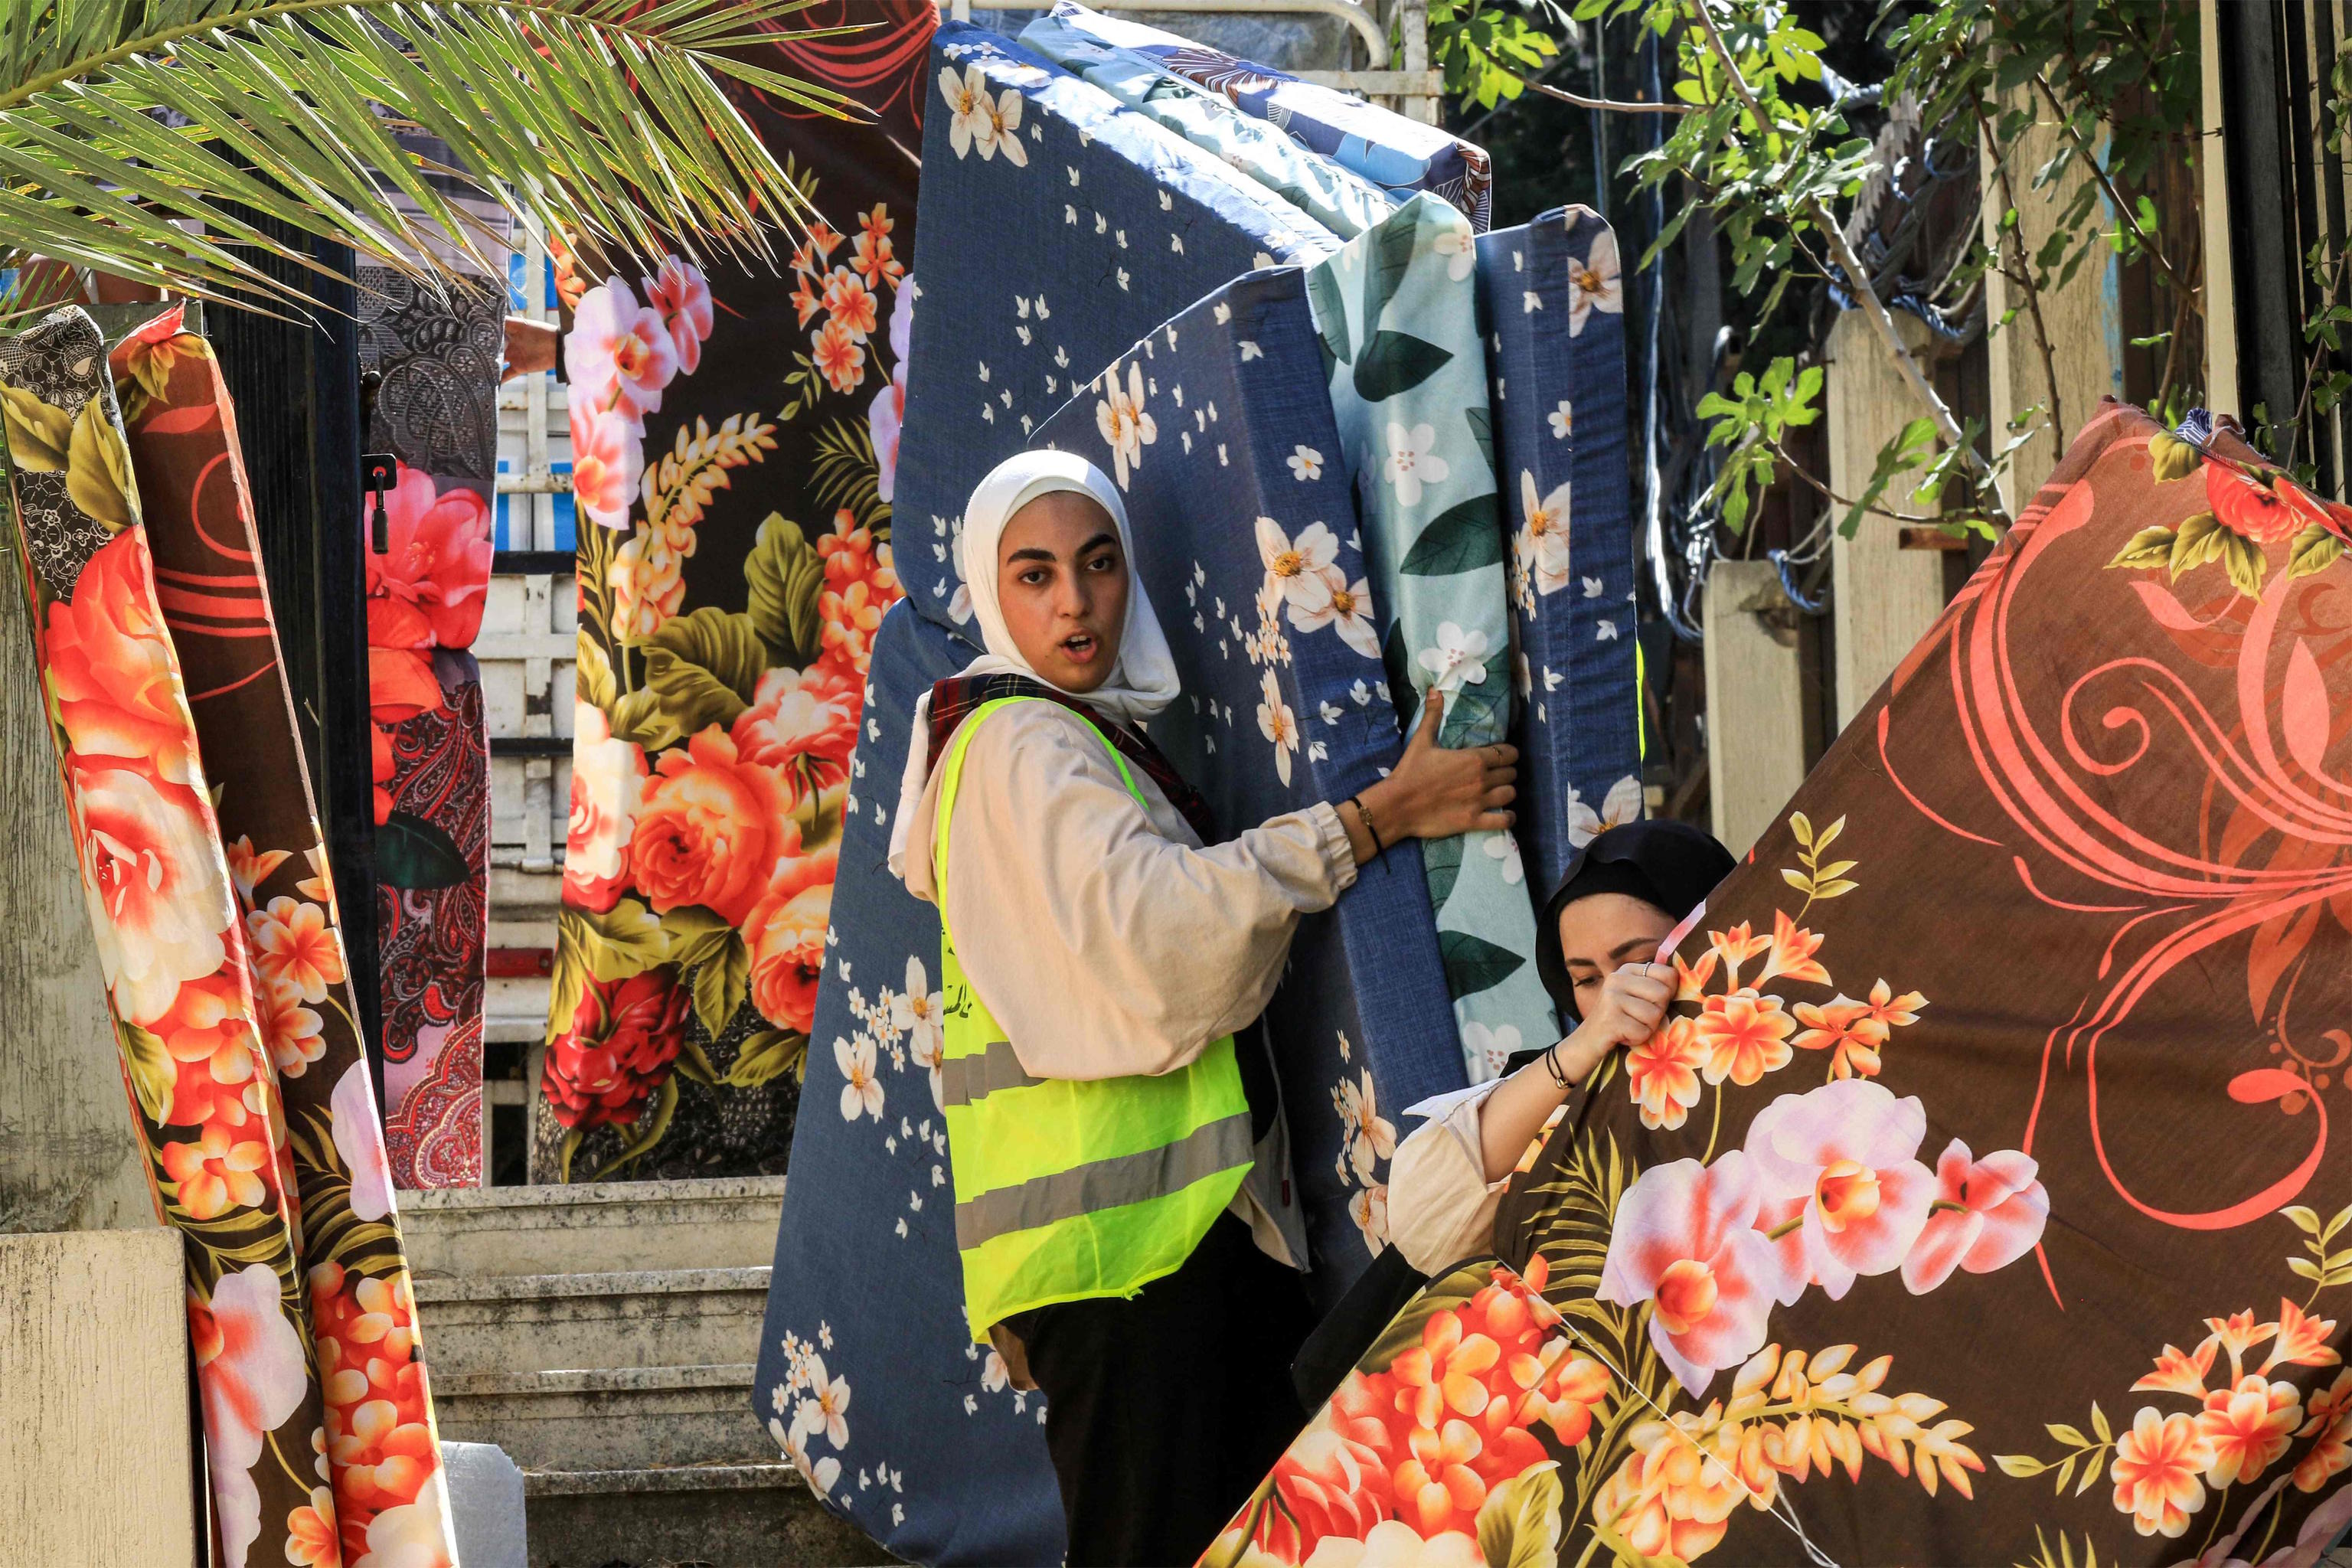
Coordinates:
[155,139]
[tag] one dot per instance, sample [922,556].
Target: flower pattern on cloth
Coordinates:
[433,852]
[1397,311]
[436,411]
[201,857]
[1148,221]
[733,573]
[1398,155]
[1560,433]
[200,527]
[1887,1235]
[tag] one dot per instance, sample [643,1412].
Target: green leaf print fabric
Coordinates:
[1397,312]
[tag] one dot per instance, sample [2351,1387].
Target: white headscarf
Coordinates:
[1143,680]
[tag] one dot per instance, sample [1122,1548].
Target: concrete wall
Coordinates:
[2220,290]
[69,1158]
[1754,700]
[97,1462]
[1887,597]
[2083,319]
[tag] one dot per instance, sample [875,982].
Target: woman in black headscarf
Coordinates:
[1596,949]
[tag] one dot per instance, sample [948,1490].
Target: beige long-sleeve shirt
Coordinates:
[1102,936]
[1441,1204]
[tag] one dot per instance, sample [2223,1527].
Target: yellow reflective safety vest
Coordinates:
[1067,1189]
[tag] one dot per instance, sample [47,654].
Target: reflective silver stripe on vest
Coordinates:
[1106,1183]
[963,1079]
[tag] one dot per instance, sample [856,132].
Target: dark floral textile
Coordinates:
[433,930]
[867,1299]
[735,459]
[436,411]
[183,438]
[216,929]
[1979,1202]
[1552,303]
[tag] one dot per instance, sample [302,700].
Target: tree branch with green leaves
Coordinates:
[1772,169]
[1486,47]
[1811,201]
[1760,140]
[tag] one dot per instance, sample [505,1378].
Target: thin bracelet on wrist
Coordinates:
[1558,1074]
[1365,813]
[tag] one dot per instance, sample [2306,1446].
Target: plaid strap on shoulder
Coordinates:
[958,697]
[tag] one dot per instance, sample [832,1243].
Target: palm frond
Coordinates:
[1575,1237]
[843,474]
[158,139]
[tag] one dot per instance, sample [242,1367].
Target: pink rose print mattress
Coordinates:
[1982,1200]
[217,933]
[735,459]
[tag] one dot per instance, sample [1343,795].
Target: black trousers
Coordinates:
[1164,1412]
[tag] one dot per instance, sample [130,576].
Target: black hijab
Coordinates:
[1670,866]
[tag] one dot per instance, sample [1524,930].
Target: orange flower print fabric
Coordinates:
[1437,1428]
[1981,1199]
[735,562]
[203,866]
[711,752]
[183,441]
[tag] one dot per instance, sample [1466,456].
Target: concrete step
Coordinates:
[711,1516]
[607,1419]
[473,1233]
[635,1318]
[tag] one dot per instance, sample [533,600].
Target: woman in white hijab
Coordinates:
[1103,942]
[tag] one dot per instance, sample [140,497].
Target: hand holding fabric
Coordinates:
[1435,792]
[1632,1004]
[1634,1001]
[529,346]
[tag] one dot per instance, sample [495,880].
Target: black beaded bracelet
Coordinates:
[1558,1074]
